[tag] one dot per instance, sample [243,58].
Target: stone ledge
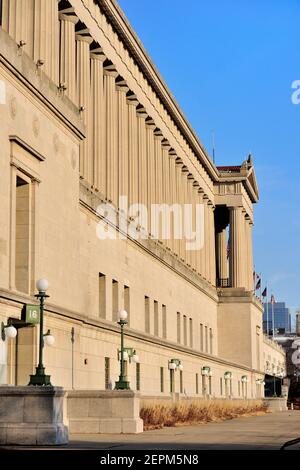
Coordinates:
[33,434]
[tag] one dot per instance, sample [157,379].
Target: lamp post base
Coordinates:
[39,378]
[122,385]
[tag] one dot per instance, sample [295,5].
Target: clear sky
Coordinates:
[230,65]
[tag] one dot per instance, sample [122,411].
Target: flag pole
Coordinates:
[267,312]
[273,320]
[260,286]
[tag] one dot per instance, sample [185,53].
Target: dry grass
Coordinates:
[158,415]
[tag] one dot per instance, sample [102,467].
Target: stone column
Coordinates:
[83,41]
[174,200]
[68,54]
[206,238]
[132,103]
[212,244]
[122,138]
[150,126]
[166,186]
[185,175]
[180,201]
[110,97]
[97,120]
[202,254]
[191,201]
[15,19]
[249,272]
[46,36]
[142,158]
[222,254]
[236,247]
[158,137]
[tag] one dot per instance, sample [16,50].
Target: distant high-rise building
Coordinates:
[282,318]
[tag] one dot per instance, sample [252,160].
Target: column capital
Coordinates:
[158,134]
[172,154]
[166,145]
[83,35]
[97,53]
[141,112]
[122,86]
[110,70]
[68,14]
[132,99]
[150,123]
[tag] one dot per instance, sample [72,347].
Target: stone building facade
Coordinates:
[85,119]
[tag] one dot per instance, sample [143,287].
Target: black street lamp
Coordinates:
[122,383]
[40,378]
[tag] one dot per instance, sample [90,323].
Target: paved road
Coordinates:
[267,432]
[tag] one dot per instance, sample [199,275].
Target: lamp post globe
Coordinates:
[49,340]
[135,358]
[10,331]
[122,315]
[42,285]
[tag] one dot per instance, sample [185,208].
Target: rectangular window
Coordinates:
[230,387]
[197,384]
[23,236]
[138,376]
[164,321]
[184,330]
[209,384]
[107,373]
[115,300]
[147,314]
[206,339]
[127,302]
[210,341]
[181,381]
[162,380]
[102,295]
[178,327]
[239,388]
[191,332]
[156,330]
[258,347]
[221,386]
[201,337]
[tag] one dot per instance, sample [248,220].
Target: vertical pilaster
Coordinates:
[68,54]
[206,238]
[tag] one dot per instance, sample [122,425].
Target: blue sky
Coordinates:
[230,65]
